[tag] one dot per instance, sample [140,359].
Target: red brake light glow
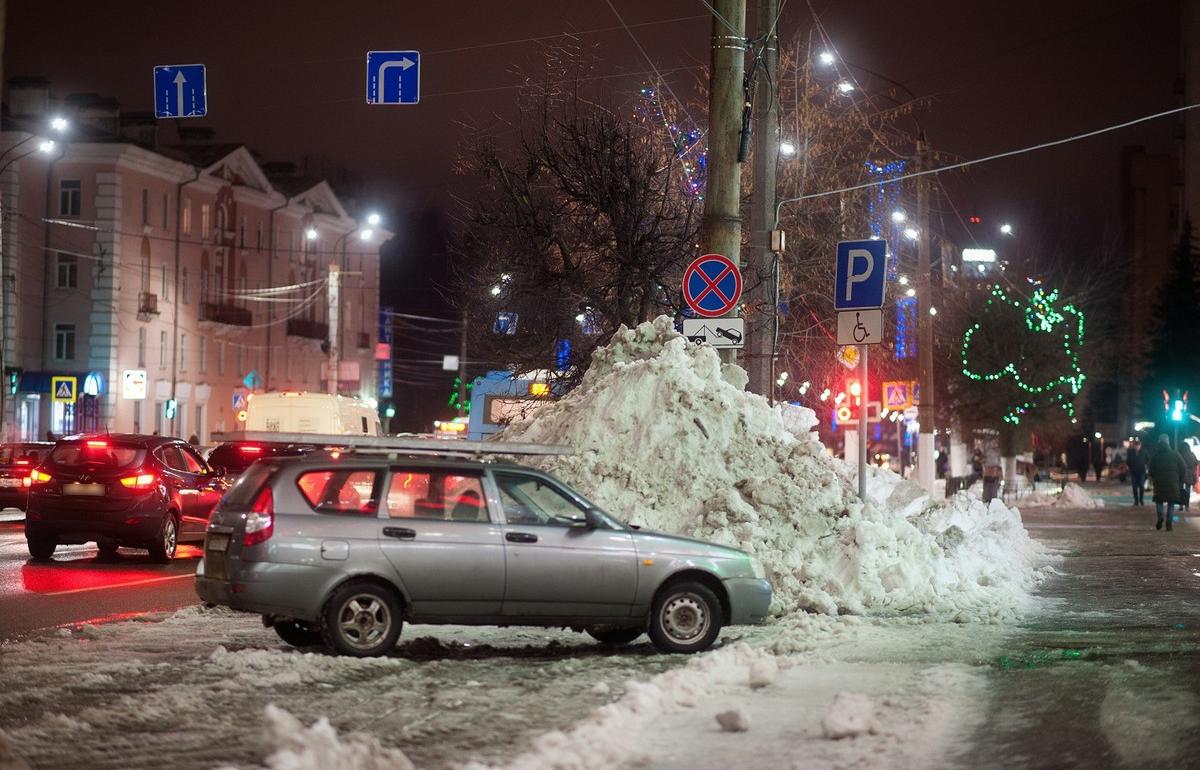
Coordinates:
[250,449]
[140,481]
[22,462]
[94,444]
[260,521]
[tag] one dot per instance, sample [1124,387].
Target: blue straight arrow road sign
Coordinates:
[861,269]
[393,77]
[180,91]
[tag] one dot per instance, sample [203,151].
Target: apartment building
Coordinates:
[183,275]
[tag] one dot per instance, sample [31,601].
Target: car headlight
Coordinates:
[758,569]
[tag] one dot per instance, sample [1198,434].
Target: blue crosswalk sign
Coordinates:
[393,77]
[180,91]
[861,269]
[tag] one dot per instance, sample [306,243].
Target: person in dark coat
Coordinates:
[1168,472]
[1135,458]
[1189,476]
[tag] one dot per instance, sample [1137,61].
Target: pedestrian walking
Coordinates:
[1167,471]
[1135,458]
[1189,477]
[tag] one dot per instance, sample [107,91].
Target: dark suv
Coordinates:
[16,461]
[232,458]
[120,490]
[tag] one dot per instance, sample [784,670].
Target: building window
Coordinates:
[145,206]
[69,193]
[204,221]
[146,272]
[137,416]
[198,428]
[162,350]
[182,352]
[258,236]
[203,285]
[220,357]
[159,408]
[238,368]
[242,232]
[183,286]
[141,359]
[203,366]
[64,342]
[165,294]
[187,216]
[67,271]
[166,209]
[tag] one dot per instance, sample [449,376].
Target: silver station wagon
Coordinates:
[341,548]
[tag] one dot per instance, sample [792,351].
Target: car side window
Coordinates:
[533,500]
[169,456]
[191,460]
[341,490]
[421,493]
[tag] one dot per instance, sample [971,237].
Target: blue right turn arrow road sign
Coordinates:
[393,77]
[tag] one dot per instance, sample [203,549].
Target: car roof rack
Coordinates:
[400,445]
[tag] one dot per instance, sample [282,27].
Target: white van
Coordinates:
[299,412]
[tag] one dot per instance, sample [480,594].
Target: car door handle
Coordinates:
[520,537]
[400,533]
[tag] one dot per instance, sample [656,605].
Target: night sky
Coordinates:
[287,79]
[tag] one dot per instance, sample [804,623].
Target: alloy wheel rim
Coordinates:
[684,618]
[169,537]
[364,621]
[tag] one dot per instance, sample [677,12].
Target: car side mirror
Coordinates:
[590,521]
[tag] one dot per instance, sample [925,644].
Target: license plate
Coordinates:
[217,542]
[83,489]
[10,482]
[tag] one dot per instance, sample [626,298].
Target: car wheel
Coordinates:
[41,547]
[297,634]
[361,619]
[615,636]
[685,617]
[162,550]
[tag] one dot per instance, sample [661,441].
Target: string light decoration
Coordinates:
[1043,314]
[686,143]
[882,200]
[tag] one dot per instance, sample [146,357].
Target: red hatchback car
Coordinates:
[16,461]
[120,490]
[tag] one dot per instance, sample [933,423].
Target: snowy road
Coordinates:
[1106,672]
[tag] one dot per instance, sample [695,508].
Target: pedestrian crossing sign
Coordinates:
[63,389]
[898,396]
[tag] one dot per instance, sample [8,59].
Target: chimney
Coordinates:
[102,113]
[28,97]
[141,128]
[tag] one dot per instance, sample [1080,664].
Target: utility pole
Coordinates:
[334,323]
[760,342]
[726,103]
[462,368]
[925,410]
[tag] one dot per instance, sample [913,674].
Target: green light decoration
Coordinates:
[1043,314]
[453,402]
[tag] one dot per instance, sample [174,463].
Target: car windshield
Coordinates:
[96,453]
[10,454]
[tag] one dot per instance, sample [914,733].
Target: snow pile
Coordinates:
[294,747]
[1072,496]
[850,715]
[666,438]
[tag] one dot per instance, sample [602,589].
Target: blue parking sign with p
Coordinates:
[860,274]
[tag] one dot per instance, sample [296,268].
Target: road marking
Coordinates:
[117,585]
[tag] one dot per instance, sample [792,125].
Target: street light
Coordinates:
[365,235]
[827,58]
[59,123]
[47,146]
[1006,229]
[899,216]
[845,86]
[311,233]
[912,233]
[373,219]
[787,149]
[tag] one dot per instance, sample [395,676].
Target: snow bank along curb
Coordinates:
[666,437]
[1072,496]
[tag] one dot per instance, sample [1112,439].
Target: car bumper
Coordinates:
[286,590]
[749,600]
[13,497]
[138,523]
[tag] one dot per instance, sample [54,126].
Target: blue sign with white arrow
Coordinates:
[180,91]
[861,269]
[393,77]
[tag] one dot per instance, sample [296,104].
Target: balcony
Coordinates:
[313,330]
[364,341]
[229,315]
[147,305]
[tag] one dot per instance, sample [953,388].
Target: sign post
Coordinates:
[858,297]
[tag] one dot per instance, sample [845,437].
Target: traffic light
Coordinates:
[13,374]
[1177,408]
[389,411]
[170,408]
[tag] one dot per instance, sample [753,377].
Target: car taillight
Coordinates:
[142,481]
[38,476]
[250,449]
[260,521]
[96,444]
[22,462]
